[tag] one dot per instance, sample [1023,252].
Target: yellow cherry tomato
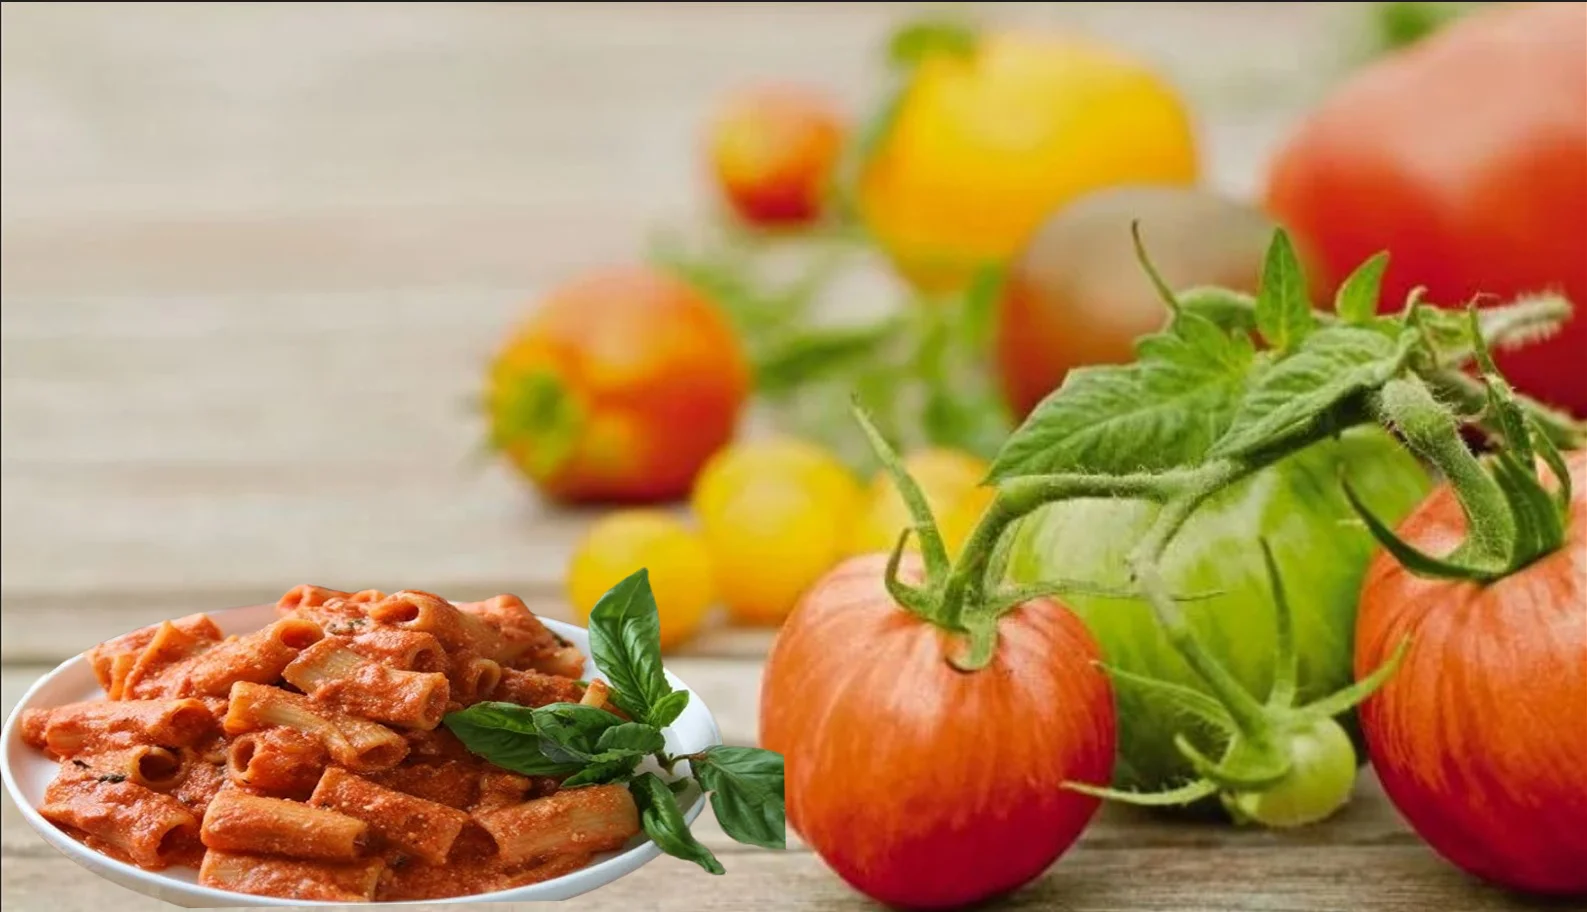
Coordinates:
[947,478]
[985,145]
[623,542]
[774,514]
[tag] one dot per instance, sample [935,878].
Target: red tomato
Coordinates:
[619,387]
[773,151]
[920,785]
[1480,738]
[1466,158]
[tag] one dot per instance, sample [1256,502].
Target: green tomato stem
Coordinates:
[1467,394]
[1145,564]
[1431,431]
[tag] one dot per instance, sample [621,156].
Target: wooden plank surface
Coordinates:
[253,257]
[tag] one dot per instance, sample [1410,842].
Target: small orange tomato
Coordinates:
[772,151]
[618,388]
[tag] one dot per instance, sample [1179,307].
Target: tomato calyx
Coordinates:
[1512,518]
[1281,759]
[972,619]
[535,413]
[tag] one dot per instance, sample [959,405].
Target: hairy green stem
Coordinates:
[1429,429]
[1018,497]
[1470,397]
[1145,565]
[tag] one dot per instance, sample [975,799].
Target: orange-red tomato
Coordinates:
[1479,737]
[772,151]
[618,388]
[921,785]
[1466,158]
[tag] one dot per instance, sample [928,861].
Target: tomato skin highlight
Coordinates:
[922,786]
[1480,738]
[1322,553]
[1466,158]
[652,376]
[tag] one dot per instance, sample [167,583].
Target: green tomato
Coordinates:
[1318,784]
[1321,549]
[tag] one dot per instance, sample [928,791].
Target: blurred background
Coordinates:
[256,259]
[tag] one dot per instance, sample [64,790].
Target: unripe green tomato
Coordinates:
[1317,785]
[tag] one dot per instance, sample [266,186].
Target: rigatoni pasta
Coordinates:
[239,822]
[354,742]
[593,819]
[421,828]
[307,760]
[289,878]
[333,674]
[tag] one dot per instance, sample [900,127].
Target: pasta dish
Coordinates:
[308,761]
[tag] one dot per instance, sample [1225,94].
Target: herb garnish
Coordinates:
[591,746]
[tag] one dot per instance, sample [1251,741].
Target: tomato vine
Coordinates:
[1205,406]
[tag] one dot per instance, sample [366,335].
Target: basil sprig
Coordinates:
[591,746]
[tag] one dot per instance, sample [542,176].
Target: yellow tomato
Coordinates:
[948,478]
[623,542]
[774,515]
[985,145]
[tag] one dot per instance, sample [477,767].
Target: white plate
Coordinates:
[28,772]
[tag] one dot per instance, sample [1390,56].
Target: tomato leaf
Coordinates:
[746,786]
[1228,310]
[663,822]
[625,641]
[915,41]
[1165,410]
[1356,302]
[507,735]
[1331,365]
[1283,308]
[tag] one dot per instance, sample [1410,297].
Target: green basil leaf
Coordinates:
[663,821]
[1333,364]
[606,767]
[1356,302]
[506,734]
[1163,411]
[570,732]
[632,736]
[625,640]
[667,709]
[746,786]
[1283,307]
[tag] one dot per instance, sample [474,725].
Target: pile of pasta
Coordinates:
[306,760]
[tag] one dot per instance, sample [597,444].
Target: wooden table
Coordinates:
[254,258]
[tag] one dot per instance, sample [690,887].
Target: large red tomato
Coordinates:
[618,387]
[1480,738]
[1466,158]
[921,785]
